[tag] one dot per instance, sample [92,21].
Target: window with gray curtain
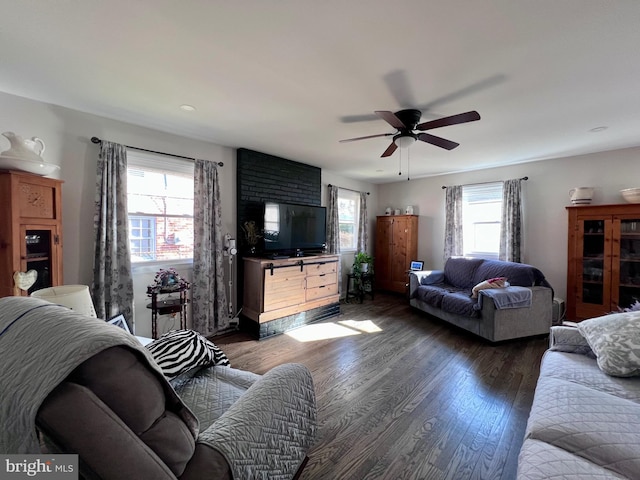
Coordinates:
[112,286]
[484,220]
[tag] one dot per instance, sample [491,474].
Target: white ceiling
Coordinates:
[289,77]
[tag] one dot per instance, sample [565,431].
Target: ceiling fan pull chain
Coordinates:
[400,162]
[408,164]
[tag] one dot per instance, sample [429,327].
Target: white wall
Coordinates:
[546,194]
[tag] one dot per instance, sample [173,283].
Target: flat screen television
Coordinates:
[291,228]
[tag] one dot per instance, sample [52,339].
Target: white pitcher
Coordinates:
[29,149]
[581,195]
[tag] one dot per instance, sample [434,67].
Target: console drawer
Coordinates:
[321,268]
[322,291]
[323,279]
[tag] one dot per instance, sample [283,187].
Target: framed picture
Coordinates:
[119,321]
[416,265]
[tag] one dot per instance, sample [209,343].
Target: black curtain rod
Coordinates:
[444,187]
[97,140]
[351,190]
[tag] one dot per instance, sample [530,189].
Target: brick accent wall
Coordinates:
[262,177]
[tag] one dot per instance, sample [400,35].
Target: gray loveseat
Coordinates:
[91,388]
[584,424]
[447,294]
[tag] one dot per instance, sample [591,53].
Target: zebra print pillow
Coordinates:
[179,351]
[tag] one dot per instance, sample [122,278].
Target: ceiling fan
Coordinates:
[406,121]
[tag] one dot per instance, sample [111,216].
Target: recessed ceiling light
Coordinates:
[187,108]
[598,129]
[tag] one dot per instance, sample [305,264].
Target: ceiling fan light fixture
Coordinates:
[404,141]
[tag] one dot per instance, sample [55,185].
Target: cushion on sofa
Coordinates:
[603,428]
[460,272]
[431,294]
[118,378]
[180,351]
[460,303]
[539,460]
[615,339]
[519,274]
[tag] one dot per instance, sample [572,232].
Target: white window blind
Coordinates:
[481,219]
[160,203]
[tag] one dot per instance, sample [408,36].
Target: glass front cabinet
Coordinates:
[30,233]
[603,271]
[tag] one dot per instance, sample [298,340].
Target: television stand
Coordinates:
[277,291]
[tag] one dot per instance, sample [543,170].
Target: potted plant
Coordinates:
[362,263]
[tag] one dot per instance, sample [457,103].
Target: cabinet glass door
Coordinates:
[38,253]
[595,262]
[627,279]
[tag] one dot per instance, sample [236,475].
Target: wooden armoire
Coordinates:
[30,230]
[603,271]
[396,246]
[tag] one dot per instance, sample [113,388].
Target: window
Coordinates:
[142,237]
[481,218]
[160,201]
[348,214]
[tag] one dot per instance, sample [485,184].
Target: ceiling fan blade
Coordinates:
[398,84]
[391,119]
[437,141]
[390,149]
[452,120]
[368,136]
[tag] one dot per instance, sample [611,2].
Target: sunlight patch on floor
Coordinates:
[324,331]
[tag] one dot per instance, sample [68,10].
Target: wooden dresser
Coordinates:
[274,289]
[396,246]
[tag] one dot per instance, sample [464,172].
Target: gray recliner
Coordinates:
[115,409]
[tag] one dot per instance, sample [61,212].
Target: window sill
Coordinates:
[153,267]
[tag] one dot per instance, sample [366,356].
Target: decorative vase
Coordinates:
[581,195]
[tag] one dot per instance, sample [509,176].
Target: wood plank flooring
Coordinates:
[404,396]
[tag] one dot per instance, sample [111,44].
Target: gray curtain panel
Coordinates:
[333,221]
[112,286]
[333,230]
[363,230]
[453,222]
[208,291]
[511,224]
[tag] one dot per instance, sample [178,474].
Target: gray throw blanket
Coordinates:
[509,297]
[40,345]
[266,433]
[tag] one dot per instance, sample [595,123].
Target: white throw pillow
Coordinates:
[615,339]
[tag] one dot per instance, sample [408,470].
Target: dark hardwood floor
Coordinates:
[405,396]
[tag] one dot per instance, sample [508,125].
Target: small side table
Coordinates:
[362,284]
[160,305]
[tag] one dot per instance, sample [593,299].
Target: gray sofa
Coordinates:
[90,388]
[447,294]
[584,424]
